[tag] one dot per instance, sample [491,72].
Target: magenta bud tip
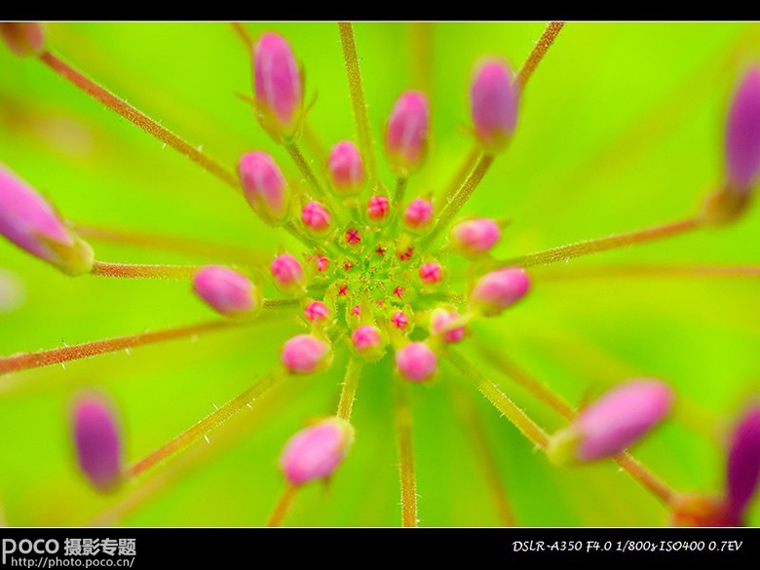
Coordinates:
[378,208]
[368,342]
[97,442]
[265,187]
[406,135]
[316,312]
[743,134]
[226,291]
[316,218]
[288,274]
[498,290]
[345,167]
[472,238]
[493,99]
[316,452]
[416,362]
[743,471]
[305,354]
[418,215]
[439,321]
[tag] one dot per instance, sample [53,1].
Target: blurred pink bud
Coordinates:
[368,341]
[418,215]
[406,134]
[305,354]
[277,85]
[431,273]
[499,289]
[316,218]
[743,134]
[474,237]
[439,319]
[416,362]
[612,423]
[32,224]
[400,320]
[698,511]
[378,209]
[23,38]
[353,237]
[316,451]
[316,312]
[226,291]
[265,187]
[321,262]
[493,98]
[743,464]
[288,274]
[346,170]
[97,442]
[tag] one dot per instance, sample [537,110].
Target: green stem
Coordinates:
[350,383]
[538,53]
[143,271]
[358,103]
[405,445]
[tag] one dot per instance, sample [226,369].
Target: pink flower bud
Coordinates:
[743,134]
[316,312]
[288,274]
[345,167]
[368,342]
[32,224]
[416,362]
[618,419]
[23,38]
[406,134]
[305,354]
[400,320]
[277,85]
[316,451]
[474,237]
[698,511]
[439,319]
[431,273]
[378,209]
[418,215]
[353,237]
[226,291]
[97,442]
[321,262]
[743,473]
[265,187]
[316,218]
[493,98]
[499,289]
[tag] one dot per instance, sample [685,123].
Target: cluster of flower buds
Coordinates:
[227,292]
[742,152]
[278,88]
[494,100]
[315,452]
[23,38]
[97,442]
[30,222]
[608,426]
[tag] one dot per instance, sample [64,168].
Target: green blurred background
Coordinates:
[620,128]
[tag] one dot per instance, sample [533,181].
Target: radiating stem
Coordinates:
[283,506]
[449,296]
[461,175]
[483,453]
[524,379]
[460,198]
[350,383]
[358,103]
[209,423]
[500,401]
[570,251]
[168,243]
[560,405]
[421,56]
[143,271]
[41,358]
[138,118]
[398,195]
[243,33]
[540,49]
[650,270]
[403,414]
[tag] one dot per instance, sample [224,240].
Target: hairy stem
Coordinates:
[243,33]
[41,358]
[461,175]
[570,251]
[500,401]
[305,169]
[143,271]
[651,270]
[650,481]
[398,195]
[358,103]
[539,51]
[483,453]
[460,198]
[138,118]
[169,243]
[350,383]
[209,423]
[403,420]
[283,506]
